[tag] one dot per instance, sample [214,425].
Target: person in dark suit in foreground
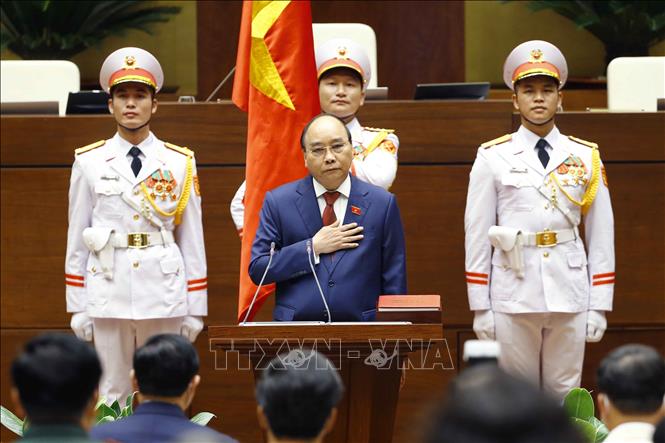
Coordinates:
[297,398]
[484,404]
[166,376]
[348,231]
[55,382]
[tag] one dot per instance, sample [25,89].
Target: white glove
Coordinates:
[191,326]
[81,324]
[595,326]
[483,324]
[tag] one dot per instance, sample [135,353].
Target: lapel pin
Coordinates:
[356,210]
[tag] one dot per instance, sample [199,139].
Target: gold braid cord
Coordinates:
[376,141]
[592,187]
[184,197]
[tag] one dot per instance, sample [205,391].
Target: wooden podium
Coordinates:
[369,356]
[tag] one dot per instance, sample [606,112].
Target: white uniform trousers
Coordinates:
[116,339]
[546,348]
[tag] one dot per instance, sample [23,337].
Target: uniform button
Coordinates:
[325,314]
[135,264]
[136,192]
[546,254]
[136,216]
[547,206]
[93,269]
[331,283]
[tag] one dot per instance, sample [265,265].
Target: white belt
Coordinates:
[103,241]
[141,239]
[547,238]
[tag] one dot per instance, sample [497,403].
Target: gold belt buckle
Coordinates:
[138,240]
[545,239]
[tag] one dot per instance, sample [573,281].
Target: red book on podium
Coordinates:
[413,308]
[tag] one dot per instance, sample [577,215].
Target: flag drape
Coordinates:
[275,83]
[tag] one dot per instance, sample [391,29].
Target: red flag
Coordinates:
[275,83]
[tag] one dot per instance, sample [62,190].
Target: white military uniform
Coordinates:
[538,279]
[135,260]
[139,284]
[374,161]
[509,187]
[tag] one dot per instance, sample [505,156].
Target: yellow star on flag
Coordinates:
[263,74]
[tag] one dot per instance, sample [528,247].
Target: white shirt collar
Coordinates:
[355,129]
[344,188]
[530,138]
[145,146]
[631,431]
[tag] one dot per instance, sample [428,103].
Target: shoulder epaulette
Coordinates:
[389,131]
[89,147]
[180,149]
[592,145]
[497,141]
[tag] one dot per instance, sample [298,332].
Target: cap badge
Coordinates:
[536,55]
[130,60]
[341,51]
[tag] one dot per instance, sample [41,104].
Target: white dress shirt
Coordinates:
[342,201]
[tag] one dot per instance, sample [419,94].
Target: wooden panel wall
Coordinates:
[400,26]
[438,141]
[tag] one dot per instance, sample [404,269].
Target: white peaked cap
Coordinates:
[131,65]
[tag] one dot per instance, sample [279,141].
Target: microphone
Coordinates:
[272,252]
[318,285]
[221,84]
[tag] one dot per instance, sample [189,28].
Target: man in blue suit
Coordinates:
[348,231]
[166,376]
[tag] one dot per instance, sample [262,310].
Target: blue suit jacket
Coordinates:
[354,279]
[155,422]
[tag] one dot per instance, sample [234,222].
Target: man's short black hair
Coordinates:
[297,396]
[554,80]
[165,365]
[633,378]
[56,376]
[323,114]
[486,405]
[149,87]
[343,70]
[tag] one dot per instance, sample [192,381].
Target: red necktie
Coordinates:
[329,216]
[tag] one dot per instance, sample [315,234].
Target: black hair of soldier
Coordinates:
[342,69]
[56,375]
[152,91]
[515,86]
[165,365]
[309,123]
[633,378]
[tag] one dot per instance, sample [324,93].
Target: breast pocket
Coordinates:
[109,199]
[516,181]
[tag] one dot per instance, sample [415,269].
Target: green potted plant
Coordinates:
[627,28]
[57,30]
[579,406]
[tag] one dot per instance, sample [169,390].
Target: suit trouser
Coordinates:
[116,340]
[545,348]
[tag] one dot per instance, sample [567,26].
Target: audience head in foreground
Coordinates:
[486,405]
[166,377]
[297,397]
[55,383]
[631,386]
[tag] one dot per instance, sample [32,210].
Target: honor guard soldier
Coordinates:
[344,72]
[531,283]
[135,263]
